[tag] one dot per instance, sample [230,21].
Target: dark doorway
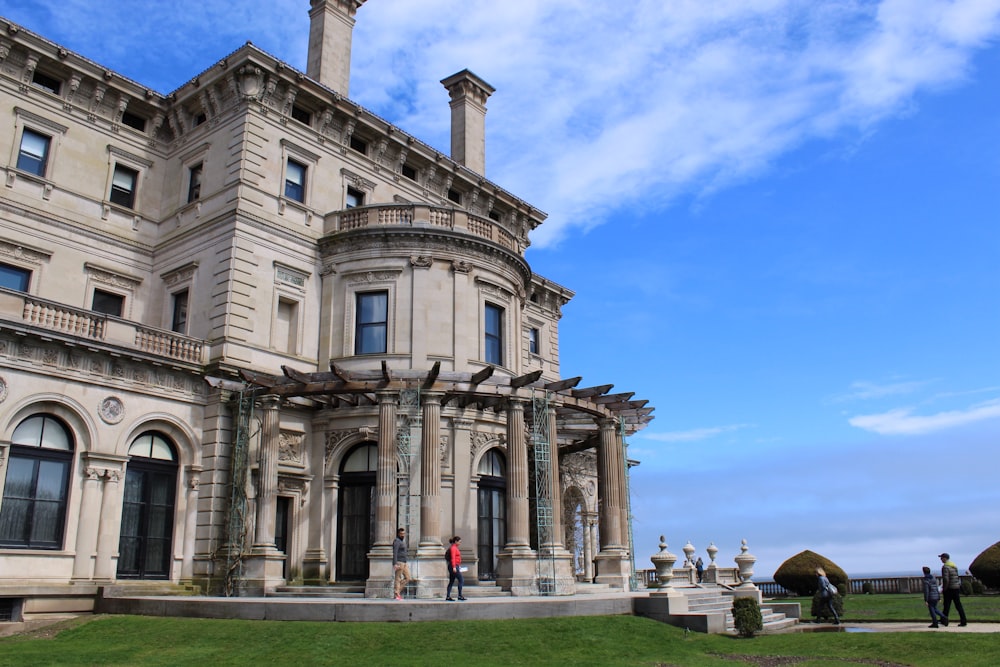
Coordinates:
[492,510]
[356,512]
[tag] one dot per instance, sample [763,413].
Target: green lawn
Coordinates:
[618,640]
[862,608]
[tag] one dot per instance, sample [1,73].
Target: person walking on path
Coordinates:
[931,596]
[699,566]
[951,584]
[454,558]
[826,592]
[400,568]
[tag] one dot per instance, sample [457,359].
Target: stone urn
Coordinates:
[744,565]
[712,552]
[689,554]
[663,563]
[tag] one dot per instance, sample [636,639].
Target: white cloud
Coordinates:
[865,390]
[902,421]
[693,434]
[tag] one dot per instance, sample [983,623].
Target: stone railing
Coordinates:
[60,318]
[879,585]
[415,215]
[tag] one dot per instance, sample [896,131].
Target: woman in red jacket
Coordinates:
[455,568]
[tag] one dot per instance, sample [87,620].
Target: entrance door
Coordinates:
[356,512]
[281,519]
[145,544]
[492,509]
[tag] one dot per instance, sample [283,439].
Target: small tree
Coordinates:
[747,617]
[986,567]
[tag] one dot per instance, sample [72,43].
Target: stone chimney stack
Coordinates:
[331,23]
[468,119]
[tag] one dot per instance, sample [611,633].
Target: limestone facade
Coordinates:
[255,279]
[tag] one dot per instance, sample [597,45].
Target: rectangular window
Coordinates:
[533,340]
[194,182]
[14,277]
[372,323]
[494,334]
[34,499]
[34,154]
[46,82]
[295,180]
[354,198]
[179,316]
[135,121]
[108,303]
[301,115]
[123,184]
[409,172]
[455,196]
[359,144]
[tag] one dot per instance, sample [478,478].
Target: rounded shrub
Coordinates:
[867,588]
[798,573]
[820,608]
[747,617]
[986,567]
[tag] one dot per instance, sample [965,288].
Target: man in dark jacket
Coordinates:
[401,570]
[951,584]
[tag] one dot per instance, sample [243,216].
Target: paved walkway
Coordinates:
[899,626]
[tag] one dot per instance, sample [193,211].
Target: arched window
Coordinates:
[33,513]
[356,511]
[492,513]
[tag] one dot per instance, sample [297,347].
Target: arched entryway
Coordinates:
[492,510]
[147,528]
[356,512]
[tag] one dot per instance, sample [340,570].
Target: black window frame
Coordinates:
[354,198]
[363,327]
[101,300]
[493,339]
[29,162]
[14,272]
[195,174]
[296,191]
[120,195]
[179,311]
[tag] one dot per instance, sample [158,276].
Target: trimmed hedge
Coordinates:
[798,573]
[986,567]
[747,617]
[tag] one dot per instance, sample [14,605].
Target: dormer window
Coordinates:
[455,196]
[409,172]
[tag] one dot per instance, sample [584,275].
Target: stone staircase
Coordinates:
[357,591]
[710,599]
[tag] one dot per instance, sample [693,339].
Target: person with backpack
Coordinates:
[826,591]
[453,556]
[932,595]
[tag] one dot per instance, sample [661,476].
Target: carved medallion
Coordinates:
[112,410]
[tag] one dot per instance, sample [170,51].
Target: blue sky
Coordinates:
[779,217]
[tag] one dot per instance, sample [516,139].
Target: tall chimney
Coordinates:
[468,119]
[331,23]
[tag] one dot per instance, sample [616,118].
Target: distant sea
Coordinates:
[867,575]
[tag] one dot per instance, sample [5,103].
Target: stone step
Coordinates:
[150,588]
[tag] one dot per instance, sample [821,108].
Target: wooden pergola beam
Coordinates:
[614,398]
[483,375]
[386,375]
[560,385]
[344,376]
[591,391]
[525,380]
[432,375]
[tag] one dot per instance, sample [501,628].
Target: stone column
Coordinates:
[314,560]
[610,482]
[380,574]
[267,473]
[190,524]
[262,570]
[516,564]
[556,492]
[86,532]
[432,571]
[110,526]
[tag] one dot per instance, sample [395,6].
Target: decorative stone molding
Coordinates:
[290,447]
[106,276]
[3,389]
[111,410]
[114,150]
[373,277]
[358,181]
[180,275]
[480,441]
[288,276]
[421,261]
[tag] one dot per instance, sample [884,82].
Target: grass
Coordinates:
[874,608]
[616,640]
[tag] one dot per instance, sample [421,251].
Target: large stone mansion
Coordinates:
[249,328]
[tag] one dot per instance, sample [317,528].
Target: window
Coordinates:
[123,186]
[135,121]
[493,215]
[14,277]
[409,172]
[455,196]
[34,154]
[295,181]
[372,323]
[34,497]
[108,303]
[359,144]
[46,82]
[533,340]
[494,334]
[354,198]
[200,118]
[194,182]
[301,115]
[179,316]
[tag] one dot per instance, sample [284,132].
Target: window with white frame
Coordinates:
[295,180]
